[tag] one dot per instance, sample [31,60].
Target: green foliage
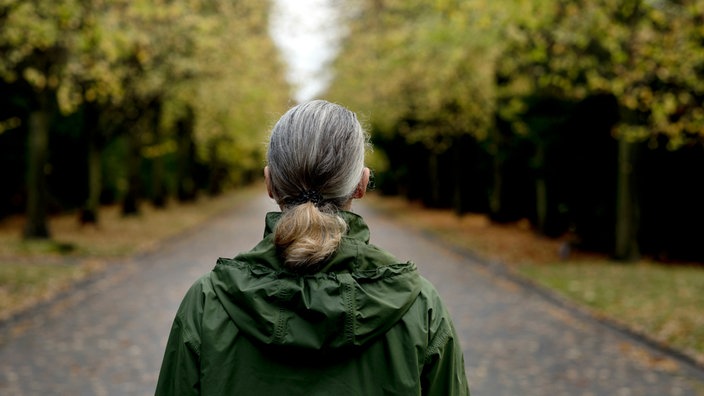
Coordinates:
[144,67]
[240,86]
[633,50]
[429,70]
[532,86]
[422,70]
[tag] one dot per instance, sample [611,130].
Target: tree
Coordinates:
[631,50]
[150,73]
[242,85]
[35,38]
[519,78]
[425,69]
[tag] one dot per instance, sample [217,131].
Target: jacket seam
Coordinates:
[188,337]
[348,296]
[279,331]
[436,344]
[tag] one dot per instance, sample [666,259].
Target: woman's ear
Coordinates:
[267,180]
[362,186]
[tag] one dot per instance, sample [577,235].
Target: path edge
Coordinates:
[503,271]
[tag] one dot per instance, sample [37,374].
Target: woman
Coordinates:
[313,309]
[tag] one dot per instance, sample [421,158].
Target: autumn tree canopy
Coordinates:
[142,70]
[502,98]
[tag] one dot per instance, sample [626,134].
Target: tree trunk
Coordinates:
[495,197]
[541,190]
[216,174]
[130,202]
[434,176]
[158,188]
[38,146]
[458,170]
[89,214]
[186,188]
[626,243]
[142,127]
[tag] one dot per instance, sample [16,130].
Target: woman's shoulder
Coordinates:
[429,306]
[194,297]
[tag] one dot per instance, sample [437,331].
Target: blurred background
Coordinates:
[582,118]
[564,138]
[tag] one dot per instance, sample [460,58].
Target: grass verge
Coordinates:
[663,302]
[34,271]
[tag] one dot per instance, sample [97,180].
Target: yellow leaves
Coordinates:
[91,95]
[513,109]
[596,82]
[645,97]
[160,149]
[669,103]
[24,28]
[521,128]
[652,62]
[123,53]
[68,97]
[67,15]
[9,124]
[629,101]
[555,82]
[662,107]
[695,124]
[631,133]
[142,55]
[658,17]
[572,10]
[36,78]
[434,67]
[559,49]
[446,6]
[238,83]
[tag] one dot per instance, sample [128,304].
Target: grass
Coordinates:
[35,271]
[24,284]
[664,302]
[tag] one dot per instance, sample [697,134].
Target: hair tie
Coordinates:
[307,196]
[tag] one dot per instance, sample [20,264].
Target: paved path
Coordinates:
[107,338]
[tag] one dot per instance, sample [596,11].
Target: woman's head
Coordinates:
[315,168]
[316,147]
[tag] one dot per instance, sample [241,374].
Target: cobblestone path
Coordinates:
[107,337]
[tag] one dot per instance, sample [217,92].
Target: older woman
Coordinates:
[314,308]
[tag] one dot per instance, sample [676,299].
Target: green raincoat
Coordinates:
[364,325]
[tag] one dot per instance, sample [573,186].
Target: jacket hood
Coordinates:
[362,289]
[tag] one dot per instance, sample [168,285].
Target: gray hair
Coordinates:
[316,161]
[318,146]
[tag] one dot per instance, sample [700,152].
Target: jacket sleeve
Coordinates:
[443,370]
[180,368]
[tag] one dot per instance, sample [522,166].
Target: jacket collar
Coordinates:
[356,227]
[356,297]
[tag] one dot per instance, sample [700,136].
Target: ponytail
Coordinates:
[306,235]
